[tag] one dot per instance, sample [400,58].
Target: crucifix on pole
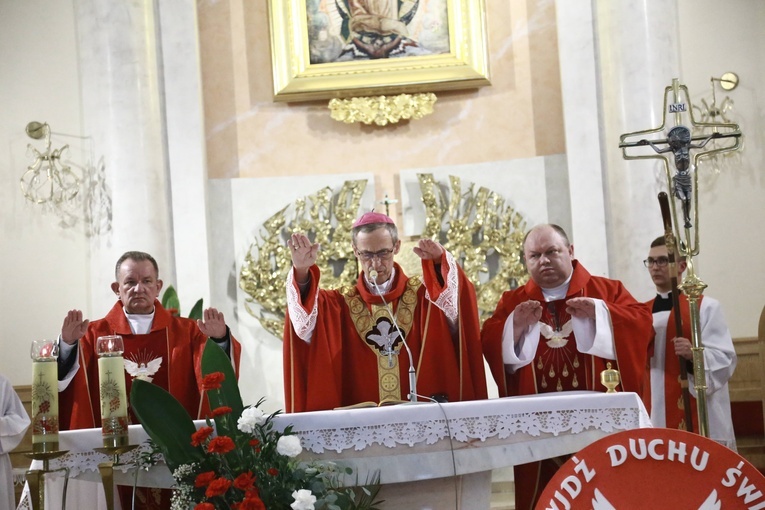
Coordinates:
[675,150]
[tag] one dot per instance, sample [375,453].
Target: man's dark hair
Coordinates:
[136,256]
[371,227]
[661,241]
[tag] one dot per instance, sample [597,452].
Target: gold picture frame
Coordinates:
[464,65]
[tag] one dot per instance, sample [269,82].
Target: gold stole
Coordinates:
[389,383]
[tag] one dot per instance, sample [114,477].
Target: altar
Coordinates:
[427,455]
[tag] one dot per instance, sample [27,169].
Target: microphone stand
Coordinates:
[372,278]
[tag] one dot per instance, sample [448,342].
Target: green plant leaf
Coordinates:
[170,299]
[215,359]
[167,423]
[196,312]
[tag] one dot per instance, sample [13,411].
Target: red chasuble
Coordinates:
[632,326]
[170,354]
[347,363]
[558,366]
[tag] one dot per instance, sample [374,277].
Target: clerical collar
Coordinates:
[558,292]
[663,302]
[384,287]
[140,323]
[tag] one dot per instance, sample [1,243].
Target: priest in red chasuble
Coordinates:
[344,347]
[557,332]
[159,347]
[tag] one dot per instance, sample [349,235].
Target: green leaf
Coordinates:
[170,299]
[167,423]
[196,312]
[215,359]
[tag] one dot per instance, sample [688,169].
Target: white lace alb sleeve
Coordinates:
[517,356]
[303,323]
[448,300]
[595,337]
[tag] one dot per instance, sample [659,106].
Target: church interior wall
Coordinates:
[717,38]
[255,146]
[46,269]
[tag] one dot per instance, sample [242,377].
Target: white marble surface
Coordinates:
[579,90]
[122,110]
[186,155]
[638,48]
[535,187]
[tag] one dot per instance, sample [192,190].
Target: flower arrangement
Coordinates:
[239,460]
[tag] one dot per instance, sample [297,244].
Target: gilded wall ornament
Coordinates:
[483,233]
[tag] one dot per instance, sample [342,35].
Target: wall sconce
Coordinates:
[47,179]
[712,112]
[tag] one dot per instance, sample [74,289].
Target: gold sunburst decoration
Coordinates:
[483,233]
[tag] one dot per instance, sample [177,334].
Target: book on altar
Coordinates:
[384,402]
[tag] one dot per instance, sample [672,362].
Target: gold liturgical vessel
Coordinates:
[610,378]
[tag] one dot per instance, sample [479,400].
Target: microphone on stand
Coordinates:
[372,278]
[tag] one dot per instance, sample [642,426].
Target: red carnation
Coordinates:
[201,435]
[252,503]
[204,506]
[220,411]
[217,487]
[244,481]
[273,471]
[204,479]
[220,444]
[254,442]
[212,381]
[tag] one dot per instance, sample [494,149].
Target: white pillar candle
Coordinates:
[111,380]
[44,396]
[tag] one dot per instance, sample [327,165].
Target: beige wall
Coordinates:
[45,269]
[248,135]
[717,37]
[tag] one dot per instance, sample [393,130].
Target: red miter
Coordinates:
[372,217]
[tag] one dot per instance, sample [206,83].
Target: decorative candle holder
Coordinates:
[44,354]
[111,379]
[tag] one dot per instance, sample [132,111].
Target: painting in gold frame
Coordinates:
[373,54]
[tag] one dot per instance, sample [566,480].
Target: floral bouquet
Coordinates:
[240,461]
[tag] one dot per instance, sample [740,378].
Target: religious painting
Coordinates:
[340,48]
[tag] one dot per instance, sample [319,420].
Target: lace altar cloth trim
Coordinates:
[500,418]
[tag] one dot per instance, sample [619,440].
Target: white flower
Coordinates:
[304,500]
[289,446]
[251,417]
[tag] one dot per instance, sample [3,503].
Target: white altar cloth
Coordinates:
[413,441]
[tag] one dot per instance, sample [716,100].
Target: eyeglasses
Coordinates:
[379,255]
[661,262]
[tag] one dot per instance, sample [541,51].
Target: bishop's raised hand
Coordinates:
[303,252]
[427,249]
